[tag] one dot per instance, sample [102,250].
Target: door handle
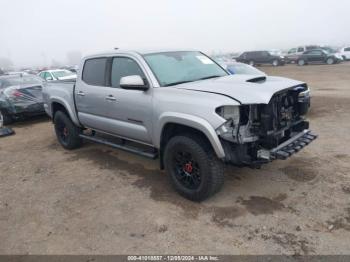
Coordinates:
[111,98]
[81,93]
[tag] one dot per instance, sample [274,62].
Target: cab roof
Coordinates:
[137,51]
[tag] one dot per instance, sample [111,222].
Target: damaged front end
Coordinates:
[259,133]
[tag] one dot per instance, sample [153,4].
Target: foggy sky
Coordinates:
[33,32]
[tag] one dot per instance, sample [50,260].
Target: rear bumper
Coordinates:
[287,148]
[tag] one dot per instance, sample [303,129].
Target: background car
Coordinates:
[345,52]
[318,56]
[242,69]
[57,74]
[260,57]
[333,51]
[294,53]
[12,73]
[20,95]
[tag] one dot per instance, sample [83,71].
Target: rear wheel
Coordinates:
[301,62]
[275,62]
[330,61]
[67,133]
[5,119]
[195,171]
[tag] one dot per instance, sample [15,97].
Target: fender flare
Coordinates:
[63,103]
[192,121]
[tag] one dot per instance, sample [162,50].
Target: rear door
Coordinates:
[265,57]
[129,111]
[90,94]
[257,57]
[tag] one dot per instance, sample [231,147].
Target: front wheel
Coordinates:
[195,171]
[67,133]
[251,63]
[301,62]
[330,61]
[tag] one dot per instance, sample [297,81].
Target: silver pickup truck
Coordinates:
[183,108]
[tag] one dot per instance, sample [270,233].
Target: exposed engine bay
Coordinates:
[255,131]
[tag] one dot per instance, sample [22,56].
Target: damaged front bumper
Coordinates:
[287,148]
[255,154]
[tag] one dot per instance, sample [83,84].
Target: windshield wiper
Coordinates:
[208,77]
[182,82]
[178,83]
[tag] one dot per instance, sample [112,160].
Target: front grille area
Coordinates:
[283,111]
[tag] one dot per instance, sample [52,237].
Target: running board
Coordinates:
[121,147]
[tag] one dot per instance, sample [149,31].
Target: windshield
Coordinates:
[329,50]
[62,73]
[173,68]
[243,69]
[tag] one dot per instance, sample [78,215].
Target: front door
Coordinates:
[129,111]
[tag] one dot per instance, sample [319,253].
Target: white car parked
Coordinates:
[345,52]
[57,74]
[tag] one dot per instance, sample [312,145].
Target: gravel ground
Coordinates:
[97,200]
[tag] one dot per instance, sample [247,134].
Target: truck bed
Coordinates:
[61,92]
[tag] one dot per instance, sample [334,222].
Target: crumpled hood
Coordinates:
[237,87]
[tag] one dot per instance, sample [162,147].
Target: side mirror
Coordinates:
[134,82]
[49,78]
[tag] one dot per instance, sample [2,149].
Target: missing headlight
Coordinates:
[229,112]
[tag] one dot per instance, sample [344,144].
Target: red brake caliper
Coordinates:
[188,167]
[65,131]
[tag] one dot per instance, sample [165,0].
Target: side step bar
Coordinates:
[121,147]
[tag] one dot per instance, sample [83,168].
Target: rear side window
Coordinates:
[243,56]
[94,71]
[347,49]
[300,49]
[124,66]
[315,52]
[249,55]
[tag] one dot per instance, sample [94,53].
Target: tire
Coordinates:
[330,61]
[5,119]
[194,170]
[275,62]
[251,63]
[301,62]
[67,133]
